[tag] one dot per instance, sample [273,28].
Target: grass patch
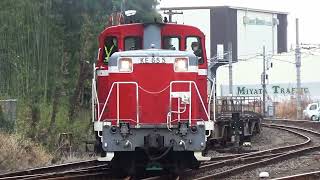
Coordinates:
[17,152]
[288,109]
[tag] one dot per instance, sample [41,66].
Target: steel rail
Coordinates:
[243,158]
[277,158]
[303,176]
[67,167]
[70,174]
[231,160]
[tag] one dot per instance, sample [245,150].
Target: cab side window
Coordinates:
[132,43]
[313,107]
[193,44]
[110,47]
[171,43]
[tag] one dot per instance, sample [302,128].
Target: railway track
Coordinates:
[303,176]
[217,167]
[243,163]
[223,166]
[314,125]
[76,170]
[248,161]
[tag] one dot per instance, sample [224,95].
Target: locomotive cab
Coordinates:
[150,102]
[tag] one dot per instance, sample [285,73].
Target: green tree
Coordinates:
[47,48]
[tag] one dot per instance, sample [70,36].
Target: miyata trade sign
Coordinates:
[274,91]
[243,90]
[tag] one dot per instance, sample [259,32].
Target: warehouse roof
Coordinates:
[230,7]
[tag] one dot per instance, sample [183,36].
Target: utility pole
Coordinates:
[298,66]
[263,78]
[171,13]
[230,68]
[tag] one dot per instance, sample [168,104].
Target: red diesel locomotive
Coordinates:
[150,96]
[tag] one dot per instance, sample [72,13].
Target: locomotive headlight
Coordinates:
[181,65]
[125,65]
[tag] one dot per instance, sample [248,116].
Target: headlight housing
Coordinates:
[125,65]
[181,64]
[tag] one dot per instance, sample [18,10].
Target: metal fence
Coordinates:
[8,114]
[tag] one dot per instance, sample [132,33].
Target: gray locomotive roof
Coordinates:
[153,53]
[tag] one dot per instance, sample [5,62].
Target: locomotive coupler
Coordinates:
[183,128]
[155,141]
[124,129]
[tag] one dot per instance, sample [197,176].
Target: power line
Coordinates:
[282,60]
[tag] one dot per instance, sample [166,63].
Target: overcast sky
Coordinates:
[308,13]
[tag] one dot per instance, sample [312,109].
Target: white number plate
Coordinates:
[146,60]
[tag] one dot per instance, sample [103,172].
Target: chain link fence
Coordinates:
[8,114]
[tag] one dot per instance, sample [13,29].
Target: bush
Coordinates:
[18,153]
[288,109]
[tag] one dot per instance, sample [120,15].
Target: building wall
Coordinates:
[277,92]
[282,33]
[255,30]
[199,18]
[223,25]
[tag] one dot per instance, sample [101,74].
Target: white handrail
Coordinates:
[118,105]
[118,99]
[92,102]
[214,100]
[94,94]
[169,120]
[190,106]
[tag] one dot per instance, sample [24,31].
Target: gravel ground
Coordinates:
[268,138]
[305,163]
[273,138]
[312,125]
[302,164]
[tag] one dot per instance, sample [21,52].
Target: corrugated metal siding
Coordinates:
[282,33]
[223,25]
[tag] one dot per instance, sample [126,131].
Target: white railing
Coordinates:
[117,84]
[190,83]
[212,94]
[94,98]
[96,111]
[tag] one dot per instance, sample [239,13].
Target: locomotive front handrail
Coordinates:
[169,117]
[118,99]
[94,98]
[212,92]
[169,120]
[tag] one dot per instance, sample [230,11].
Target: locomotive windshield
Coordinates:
[132,43]
[152,36]
[172,43]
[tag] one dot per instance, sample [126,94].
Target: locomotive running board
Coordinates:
[109,156]
[198,155]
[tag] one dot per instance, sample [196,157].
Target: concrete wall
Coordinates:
[258,31]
